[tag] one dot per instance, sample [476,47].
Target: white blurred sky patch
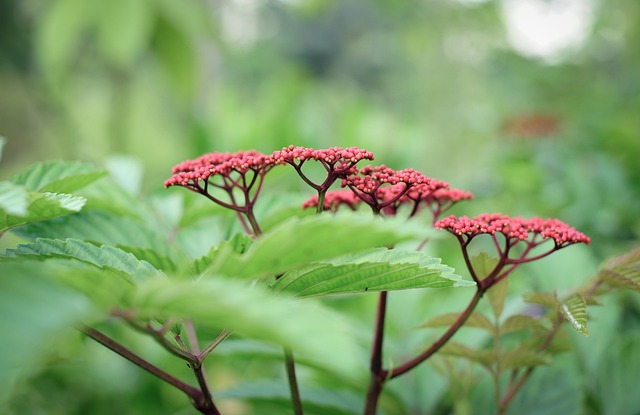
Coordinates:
[548,29]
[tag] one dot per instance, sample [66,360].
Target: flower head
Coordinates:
[232,180]
[334,199]
[534,230]
[338,162]
[383,188]
[190,172]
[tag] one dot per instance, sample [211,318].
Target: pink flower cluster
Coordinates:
[189,172]
[369,179]
[516,228]
[333,200]
[333,156]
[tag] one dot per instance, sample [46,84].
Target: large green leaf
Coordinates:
[301,241]
[373,270]
[100,228]
[313,331]
[14,200]
[57,176]
[34,312]
[41,207]
[101,257]
[574,310]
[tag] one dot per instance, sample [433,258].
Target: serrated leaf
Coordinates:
[301,241]
[476,320]
[57,176]
[482,356]
[101,257]
[623,271]
[14,199]
[521,322]
[157,260]
[574,310]
[623,277]
[43,206]
[99,228]
[308,328]
[522,357]
[238,244]
[541,298]
[372,270]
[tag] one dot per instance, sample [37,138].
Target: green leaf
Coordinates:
[542,298]
[313,331]
[43,206]
[372,270]
[483,264]
[157,260]
[101,257]
[521,322]
[522,357]
[99,228]
[497,295]
[3,141]
[551,390]
[126,171]
[616,371]
[316,401]
[476,320]
[482,356]
[623,271]
[238,244]
[14,200]
[301,241]
[34,313]
[57,176]
[574,310]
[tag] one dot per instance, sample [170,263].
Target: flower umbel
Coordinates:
[338,163]
[382,188]
[236,176]
[334,199]
[507,234]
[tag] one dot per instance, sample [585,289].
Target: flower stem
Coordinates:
[407,366]
[376,382]
[293,382]
[193,393]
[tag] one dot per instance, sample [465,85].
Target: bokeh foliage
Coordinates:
[432,85]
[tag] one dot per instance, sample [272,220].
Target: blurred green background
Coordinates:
[533,105]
